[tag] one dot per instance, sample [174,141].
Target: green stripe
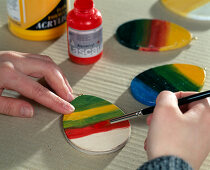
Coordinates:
[142,32]
[85,102]
[91,120]
[134,34]
[155,81]
[176,78]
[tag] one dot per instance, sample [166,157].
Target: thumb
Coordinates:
[166,101]
[15,107]
[149,119]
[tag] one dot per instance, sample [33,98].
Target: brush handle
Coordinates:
[181,101]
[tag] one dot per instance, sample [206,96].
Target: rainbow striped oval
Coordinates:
[88,128]
[194,9]
[146,86]
[153,35]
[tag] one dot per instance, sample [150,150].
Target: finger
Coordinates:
[41,66]
[56,80]
[68,85]
[149,119]
[1,90]
[42,95]
[19,82]
[18,58]
[37,56]
[145,144]
[65,80]
[47,69]
[48,76]
[186,107]
[166,100]
[198,108]
[15,107]
[14,55]
[182,94]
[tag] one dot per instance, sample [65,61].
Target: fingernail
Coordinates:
[26,111]
[70,97]
[68,108]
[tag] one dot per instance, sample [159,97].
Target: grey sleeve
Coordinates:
[166,163]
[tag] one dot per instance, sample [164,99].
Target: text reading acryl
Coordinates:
[37,20]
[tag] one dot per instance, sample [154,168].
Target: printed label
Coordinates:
[13,9]
[85,44]
[54,19]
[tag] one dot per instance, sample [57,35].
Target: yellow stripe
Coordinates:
[192,72]
[177,37]
[90,112]
[184,6]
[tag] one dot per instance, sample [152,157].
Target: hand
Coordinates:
[15,69]
[183,133]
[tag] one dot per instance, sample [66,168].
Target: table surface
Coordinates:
[39,143]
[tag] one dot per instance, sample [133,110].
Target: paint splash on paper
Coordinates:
[146,86]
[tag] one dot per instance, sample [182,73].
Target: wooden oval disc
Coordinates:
[152,35]
[196,9]
[88,129]
[146,86]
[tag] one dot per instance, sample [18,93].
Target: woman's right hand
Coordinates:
[182,132]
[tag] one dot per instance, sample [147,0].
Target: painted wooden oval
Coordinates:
[146,86]
[88,129]
[196,9]
[152,35]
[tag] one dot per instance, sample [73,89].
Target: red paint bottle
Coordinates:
[84,23]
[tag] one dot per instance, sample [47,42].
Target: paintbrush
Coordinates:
[149,110]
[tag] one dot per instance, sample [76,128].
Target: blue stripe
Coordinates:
[143,93]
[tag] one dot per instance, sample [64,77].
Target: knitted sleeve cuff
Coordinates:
[166,163]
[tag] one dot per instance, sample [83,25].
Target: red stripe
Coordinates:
[103,126]
[158,35]
[148,49]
